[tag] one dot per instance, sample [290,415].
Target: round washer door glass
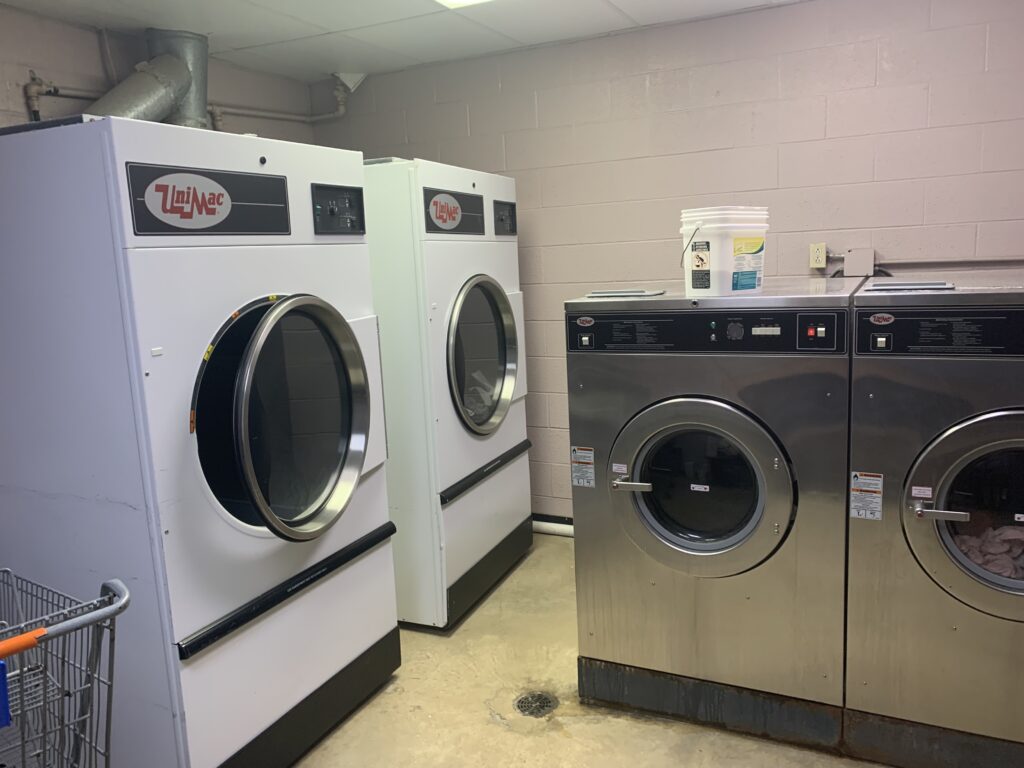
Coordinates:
[991,544]
[705,491]
[281,416]
[963,512]
[482,354]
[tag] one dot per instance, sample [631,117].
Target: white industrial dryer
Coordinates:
[446,284]
[192,403]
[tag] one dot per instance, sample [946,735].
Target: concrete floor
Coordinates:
[451,702]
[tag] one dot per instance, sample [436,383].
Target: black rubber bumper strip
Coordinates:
[453,491]
[256,607]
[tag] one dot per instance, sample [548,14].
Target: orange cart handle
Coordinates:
[19,643]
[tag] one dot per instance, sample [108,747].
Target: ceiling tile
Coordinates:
[544,21]
[229,23]
[438,37]
[340,16]
[660,11]
[314,58]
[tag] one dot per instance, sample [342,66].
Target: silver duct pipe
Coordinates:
[151,93]
[192,49]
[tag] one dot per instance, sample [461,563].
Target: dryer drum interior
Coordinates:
[281,415]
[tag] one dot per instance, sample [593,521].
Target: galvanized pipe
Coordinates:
[151,93]
[193,50]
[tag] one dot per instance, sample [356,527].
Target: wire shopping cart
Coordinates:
[56,674]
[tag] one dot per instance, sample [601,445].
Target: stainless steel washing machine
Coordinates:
[709,455]
[936,561]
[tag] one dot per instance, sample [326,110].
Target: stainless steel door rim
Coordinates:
[336,495]
[930,539]
[503,399]
[742,549]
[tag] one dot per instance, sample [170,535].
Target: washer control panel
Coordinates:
[934,332]
[753,332]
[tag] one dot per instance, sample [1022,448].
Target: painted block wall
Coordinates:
[893,124]
[69,55]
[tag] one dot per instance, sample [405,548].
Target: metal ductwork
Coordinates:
[170,86]
[194,50]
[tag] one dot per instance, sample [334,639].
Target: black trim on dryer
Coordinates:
[456,489]
[238,618]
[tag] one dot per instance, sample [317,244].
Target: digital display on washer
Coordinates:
[933,332]
[757,332]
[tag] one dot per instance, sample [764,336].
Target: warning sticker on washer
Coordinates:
[866,495]
[620,469]
[921,492]
[581,461]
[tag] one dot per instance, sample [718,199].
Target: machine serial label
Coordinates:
[866,495]
[581,462]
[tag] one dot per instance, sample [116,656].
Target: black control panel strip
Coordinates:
[337,210]
[453,491]
[932,332]
[204,638]
[723,331]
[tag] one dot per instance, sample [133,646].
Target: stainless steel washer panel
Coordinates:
[777,627]
[916,651]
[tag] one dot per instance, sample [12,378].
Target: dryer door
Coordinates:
[483,354]
[282,414]
[701,486]
[963,512]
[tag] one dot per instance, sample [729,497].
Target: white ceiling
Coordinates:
[309,39]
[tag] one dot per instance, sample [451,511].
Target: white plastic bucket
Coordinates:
[724,249]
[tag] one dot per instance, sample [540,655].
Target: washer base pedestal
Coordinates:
[735,709]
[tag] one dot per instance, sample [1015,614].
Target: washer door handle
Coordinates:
[930,513]
[623,484]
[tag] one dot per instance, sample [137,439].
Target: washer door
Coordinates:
[483,354]
[963,512]
[701,487]
[281,415]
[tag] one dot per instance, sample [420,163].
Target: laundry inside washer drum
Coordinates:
[991,488]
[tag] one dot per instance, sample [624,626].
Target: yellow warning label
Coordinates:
[743,246]
[209,351]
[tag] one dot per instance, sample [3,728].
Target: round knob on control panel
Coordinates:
[734,332]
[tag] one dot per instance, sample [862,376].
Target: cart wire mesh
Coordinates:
[60,691]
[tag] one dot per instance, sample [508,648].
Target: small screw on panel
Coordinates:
[263,160]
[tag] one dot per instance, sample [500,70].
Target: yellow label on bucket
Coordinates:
[742,246]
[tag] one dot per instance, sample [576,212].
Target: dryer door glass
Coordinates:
[704,489]
[482,354]
[991,544]
[282,414]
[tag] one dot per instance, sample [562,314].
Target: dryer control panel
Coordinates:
[794,332]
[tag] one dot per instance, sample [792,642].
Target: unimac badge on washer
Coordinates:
[866,495]
[454,213]
[581,462]
[169,200]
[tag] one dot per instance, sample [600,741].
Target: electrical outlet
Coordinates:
[819,256]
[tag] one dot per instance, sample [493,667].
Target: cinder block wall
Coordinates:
[897,124]
[69,55]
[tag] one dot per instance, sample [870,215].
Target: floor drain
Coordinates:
[536,704]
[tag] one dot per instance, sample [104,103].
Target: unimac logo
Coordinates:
[445,211]
[882,318]
[584,322]
[188,201]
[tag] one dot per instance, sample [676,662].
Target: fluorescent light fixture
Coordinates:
[461,3]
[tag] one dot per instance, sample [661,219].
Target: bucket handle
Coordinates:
[682,258]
